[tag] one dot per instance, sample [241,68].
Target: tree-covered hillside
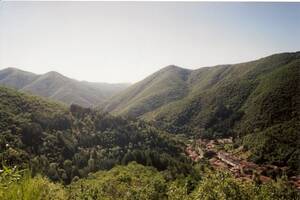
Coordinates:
[202,99]
[258,99]
[160,88]
[64,143]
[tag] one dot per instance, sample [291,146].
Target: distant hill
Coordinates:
[58,87]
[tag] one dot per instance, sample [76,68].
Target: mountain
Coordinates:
[255,102]
[182,97]
[162,87]
[58,87]
[44,143]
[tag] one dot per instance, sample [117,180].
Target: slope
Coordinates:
[156,90]
[204,97]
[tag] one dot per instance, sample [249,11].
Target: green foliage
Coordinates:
[131,182]
[224,187]
[136,181]
[177,190]
[277,145]
[221,186]
[276,190]
[16,185]
[8,176]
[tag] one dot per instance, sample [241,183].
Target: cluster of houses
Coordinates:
[193,154]
[241,169]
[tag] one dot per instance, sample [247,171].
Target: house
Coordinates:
[225,141]
[192,154]
[228,159]
[210,144]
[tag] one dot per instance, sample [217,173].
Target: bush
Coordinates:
[16,185]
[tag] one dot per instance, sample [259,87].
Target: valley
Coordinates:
[149,100]
[223,132]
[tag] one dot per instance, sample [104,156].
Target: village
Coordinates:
[240,168]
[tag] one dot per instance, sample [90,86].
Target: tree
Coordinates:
[31,135]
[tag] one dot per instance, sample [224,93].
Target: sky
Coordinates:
[127,41]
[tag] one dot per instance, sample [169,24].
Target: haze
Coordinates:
[125,42]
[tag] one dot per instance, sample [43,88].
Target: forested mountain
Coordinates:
[258,99]
[159,89]
[191,97]
[63,143]
[58,87]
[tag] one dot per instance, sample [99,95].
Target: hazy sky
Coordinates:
[125,42]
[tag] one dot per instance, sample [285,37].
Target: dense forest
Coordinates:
[64,143]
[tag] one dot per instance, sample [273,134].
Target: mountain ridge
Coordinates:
[193,79]
[59,87]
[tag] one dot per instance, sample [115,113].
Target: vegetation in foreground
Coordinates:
[19,185]
[136,181]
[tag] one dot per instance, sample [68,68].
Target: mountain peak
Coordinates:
[10,69]
[176,67]
[172,67]
[53,73]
